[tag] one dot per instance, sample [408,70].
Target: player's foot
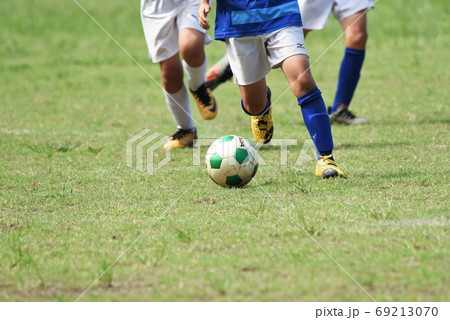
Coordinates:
[262,125]
[218,73]
[344,116]
[206,102]
[181,139]
[326,168]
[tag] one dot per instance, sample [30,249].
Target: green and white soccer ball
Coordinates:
[231,161]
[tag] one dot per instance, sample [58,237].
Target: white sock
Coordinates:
[179,106]
[196,76]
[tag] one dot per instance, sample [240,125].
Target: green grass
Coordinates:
[69,205]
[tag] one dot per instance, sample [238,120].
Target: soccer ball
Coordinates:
[231,161]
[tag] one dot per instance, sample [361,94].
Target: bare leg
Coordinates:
[297,72]
[305,32]
[192,44]
[172,74]
[356,30]
[192,48]
[254,96]
[176,96]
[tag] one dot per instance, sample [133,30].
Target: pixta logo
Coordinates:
[141,151]
[144,151]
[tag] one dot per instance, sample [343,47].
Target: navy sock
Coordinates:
[317,121]
[348,77]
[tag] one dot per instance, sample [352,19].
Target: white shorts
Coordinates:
[315,12]
[252,58]
[162,20]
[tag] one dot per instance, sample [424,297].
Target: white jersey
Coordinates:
[315,12]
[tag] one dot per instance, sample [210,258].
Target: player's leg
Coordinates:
[254,99]
[194,63]
[249,64]
[356,35]
[192,48]
[256,102]
[171,74]
[315,116]
[162,41]
[191,43]
[306,32]
[177,100]
[355,28]
[284,46]
[297,72]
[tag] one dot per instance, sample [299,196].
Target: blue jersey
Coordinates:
[242,18]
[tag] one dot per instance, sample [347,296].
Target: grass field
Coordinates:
[69,206]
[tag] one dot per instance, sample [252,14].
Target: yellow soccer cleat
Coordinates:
[181,139]
[206,102]
[262,126]
[326,168]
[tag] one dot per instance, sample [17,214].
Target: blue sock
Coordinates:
[317,121]
[348,77]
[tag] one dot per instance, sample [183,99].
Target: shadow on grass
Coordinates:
[372,145]
[259,182]
[269,147]
[396,122]
[434,121]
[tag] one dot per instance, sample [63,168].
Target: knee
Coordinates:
[303,85]
[192,50]
[189,52]
[357,39]
[193,56]
[308,84]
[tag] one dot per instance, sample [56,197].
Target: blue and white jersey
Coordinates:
[242,18]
